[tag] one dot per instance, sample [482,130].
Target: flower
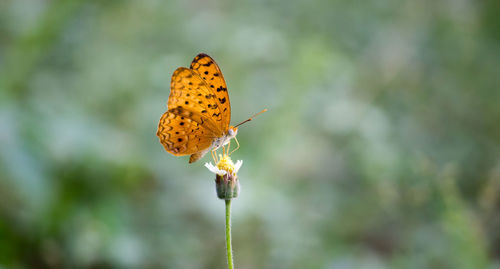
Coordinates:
[224,166]
[226,178]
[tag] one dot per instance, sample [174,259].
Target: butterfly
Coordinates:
[199,112]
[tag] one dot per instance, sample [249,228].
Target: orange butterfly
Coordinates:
[198,112]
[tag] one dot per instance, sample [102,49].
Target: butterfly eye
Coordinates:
[231,132]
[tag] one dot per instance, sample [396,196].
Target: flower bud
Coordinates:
[227,186]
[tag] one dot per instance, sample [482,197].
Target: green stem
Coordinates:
[229,248]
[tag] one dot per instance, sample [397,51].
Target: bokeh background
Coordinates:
[381,147]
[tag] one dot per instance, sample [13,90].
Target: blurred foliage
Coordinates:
[381,147]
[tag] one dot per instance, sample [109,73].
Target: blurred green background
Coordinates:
[381,147]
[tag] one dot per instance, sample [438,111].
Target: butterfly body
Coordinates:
[224,140]
[199,112]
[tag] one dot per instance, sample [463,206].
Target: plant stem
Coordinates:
[229,248]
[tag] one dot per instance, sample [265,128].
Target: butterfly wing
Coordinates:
[199,109]
[181,135]
[210,72]
[193,119]
[190,92]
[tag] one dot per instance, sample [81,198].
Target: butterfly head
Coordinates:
[232,131]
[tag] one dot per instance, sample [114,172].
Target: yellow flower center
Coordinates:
[226,164]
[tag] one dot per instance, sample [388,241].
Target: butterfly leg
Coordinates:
[214,155]
[226,151]
[237,145]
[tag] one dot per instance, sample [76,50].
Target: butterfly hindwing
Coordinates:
[181,135]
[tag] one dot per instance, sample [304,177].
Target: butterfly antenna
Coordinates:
[251,118]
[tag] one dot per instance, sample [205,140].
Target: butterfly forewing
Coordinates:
[209,71]
[189,92]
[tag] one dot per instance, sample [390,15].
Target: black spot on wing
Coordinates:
[221,89]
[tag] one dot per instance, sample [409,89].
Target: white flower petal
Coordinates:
[211,167]
[214,169]
[237,166]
